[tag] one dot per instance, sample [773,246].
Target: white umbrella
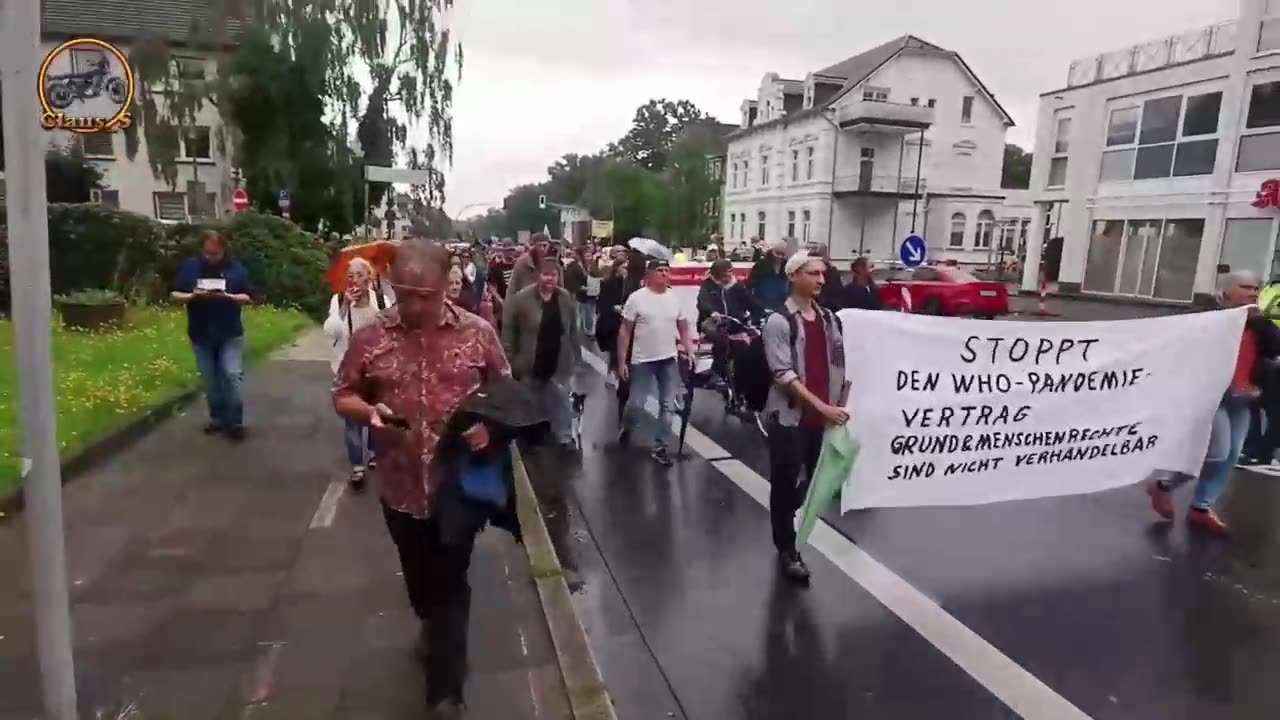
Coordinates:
[650,247]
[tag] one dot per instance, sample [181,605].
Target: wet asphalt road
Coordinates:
[1122,616]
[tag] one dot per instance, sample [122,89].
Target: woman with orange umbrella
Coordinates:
[354,307]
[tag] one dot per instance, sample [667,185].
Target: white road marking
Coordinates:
[1273,470]
[329,504]
[1023,692]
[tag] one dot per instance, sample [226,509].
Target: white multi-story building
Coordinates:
[203,167]
[837,158]
[1148,164]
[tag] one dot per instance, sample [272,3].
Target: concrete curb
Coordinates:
[108,445]
[588,696]
[116,441]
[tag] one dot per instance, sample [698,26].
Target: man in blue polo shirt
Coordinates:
[213,287]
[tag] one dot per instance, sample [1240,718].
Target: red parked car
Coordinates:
[943,290]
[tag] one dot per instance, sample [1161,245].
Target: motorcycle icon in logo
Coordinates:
[86,85]
[63,90]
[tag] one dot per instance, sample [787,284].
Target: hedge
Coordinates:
[91,246]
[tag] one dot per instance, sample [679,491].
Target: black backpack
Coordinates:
[752,376]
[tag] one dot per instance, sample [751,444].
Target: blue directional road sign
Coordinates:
[912,251]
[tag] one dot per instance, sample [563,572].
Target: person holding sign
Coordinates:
[1260,341]
[804,347]
[213,286]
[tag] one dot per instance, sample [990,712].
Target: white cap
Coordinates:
[798,261]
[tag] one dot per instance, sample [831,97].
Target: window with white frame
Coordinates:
[982,233]
[1062,136]
[915,101]
[1260,140]
[742,225]
[1150,258]
[84,59]
[791,223]
[109,198]
[875,94]
[733,222]
[1269,33]
[966,110]
[764,170]
[1061,146]
[746,174]
[1171,136]
[760,223]
[1246,245]
[795,165]
[98,145]
[809,161]
[933,103]
[805,217]
[171,206]
[197,144]
[735,175]
[956,240]
[190,68]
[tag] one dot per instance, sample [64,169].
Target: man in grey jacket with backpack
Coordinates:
[804,347]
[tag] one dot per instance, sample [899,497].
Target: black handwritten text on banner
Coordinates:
[952,411]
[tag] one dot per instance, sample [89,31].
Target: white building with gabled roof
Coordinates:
[859,153]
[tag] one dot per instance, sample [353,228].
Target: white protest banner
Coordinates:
[953,411]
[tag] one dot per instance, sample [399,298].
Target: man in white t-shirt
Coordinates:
[652,321]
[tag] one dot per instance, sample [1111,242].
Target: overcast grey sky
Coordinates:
[542,79]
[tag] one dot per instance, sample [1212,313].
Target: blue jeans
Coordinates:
[1230,428]
[357,443]
[587,316]
[221,367]
[658,379]
[553,400]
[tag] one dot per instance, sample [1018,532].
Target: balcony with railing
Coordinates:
[1206,42]
[885,117]
[871,183]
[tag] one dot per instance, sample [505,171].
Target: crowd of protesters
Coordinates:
[452,353]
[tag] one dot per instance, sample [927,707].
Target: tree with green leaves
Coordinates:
[406,49]
[68,176]
[689,188]
[402,45]
[273,94]
[654,130]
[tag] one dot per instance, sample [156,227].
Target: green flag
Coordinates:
[839,450]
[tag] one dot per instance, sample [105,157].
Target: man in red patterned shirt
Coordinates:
[404,376]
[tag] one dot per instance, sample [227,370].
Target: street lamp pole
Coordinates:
[32,315]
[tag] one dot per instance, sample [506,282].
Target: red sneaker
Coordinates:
[1207,521]
[1161,500]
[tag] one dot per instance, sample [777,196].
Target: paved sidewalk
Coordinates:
[213,582]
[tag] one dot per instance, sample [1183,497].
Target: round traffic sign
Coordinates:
[240,200]
[912,251]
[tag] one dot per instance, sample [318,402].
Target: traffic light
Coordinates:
[542,202]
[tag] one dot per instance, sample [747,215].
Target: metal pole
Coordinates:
[915,197]
[364,175]
[902,150]
[831,206]
[32,314]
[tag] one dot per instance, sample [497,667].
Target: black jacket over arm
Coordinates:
[509,413]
